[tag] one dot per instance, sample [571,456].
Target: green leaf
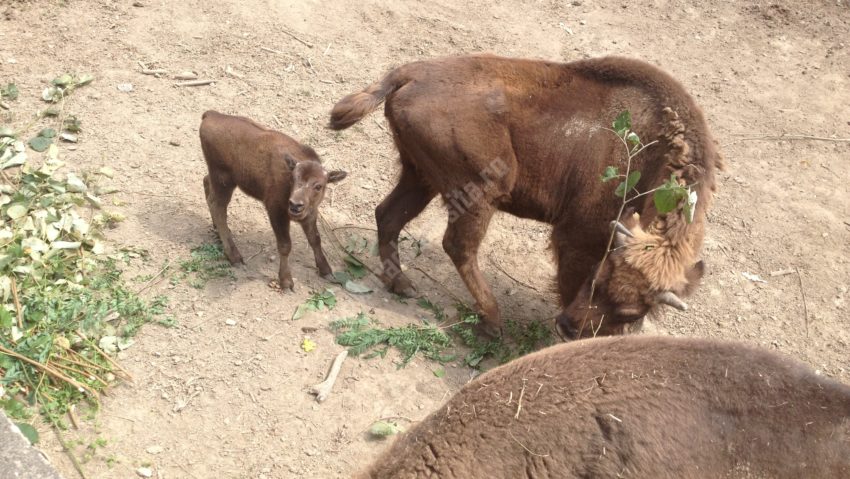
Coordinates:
[10,91]
[357,288]
[51,111]
[47,133]
[7,131]
[627,185]
[354,267]
[384,429]
[28,431]
[40,143]
[63,80]
[84,79]
[341,277]
[633,138]
[439,372]
[301,310]
[72,124]
[611,172]
[665,200]
[623,123]
[17,210]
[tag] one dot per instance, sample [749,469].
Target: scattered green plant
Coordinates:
[9,92]
[360,336]
[316,302]
[61,86]
[63,303]
[382,429]
[207,262]
[436,310]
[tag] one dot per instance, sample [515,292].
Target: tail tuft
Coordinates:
[353,108]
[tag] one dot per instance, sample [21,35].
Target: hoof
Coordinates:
[329,277]
[287,287]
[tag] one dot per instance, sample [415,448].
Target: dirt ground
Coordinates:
[758,68]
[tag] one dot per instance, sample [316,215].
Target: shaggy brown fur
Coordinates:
[634,406]
[530,138]
[267,165]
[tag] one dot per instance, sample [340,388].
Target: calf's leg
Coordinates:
[218,192]
[279,218]
[405,202]
[461,241]
[315,240]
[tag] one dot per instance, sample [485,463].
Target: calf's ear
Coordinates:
[336,175]
[290,161]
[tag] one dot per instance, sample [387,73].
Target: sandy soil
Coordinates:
[757,68]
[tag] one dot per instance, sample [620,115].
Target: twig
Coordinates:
[519,401]
[323,389]
[52,372]
[322,80]
[526,449]
[186,76]
[271,50]
[789,137]
[106,356]
[17,303]
[305,42]
[70,453]
[328,49]
[73,416]
[441,285]
[805,305]
[149,282]
[156,72]
[500,268]
[262,250]
[195,83]
[378,123]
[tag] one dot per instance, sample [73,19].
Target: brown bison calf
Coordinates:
[267,165]
[634,406]
[532,138]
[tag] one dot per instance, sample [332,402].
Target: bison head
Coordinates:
[641,272]
[309,179]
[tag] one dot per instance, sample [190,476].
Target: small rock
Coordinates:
[138,4]
[582,22]
[174,142]
[144,472]
[154,450]
[312,452]
[230,322]
[125,87]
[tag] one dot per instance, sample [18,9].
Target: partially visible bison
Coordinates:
[634,406]
[267,165]
[531,138]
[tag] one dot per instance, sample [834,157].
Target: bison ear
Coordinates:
[290,161]
[336,175]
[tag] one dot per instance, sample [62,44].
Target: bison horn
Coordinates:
[670,299]
[621,228]
[619,240]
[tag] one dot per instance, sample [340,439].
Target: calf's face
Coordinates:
[309,180]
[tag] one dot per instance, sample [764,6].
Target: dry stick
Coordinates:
[73,416]
[70,453]
[195,83]
[149,282]
[271,50]
[308,44]
[805,306]
[500,268]
[791,137]
[52,372]
[106,356]
[526,449]
[519,402]
[17,303]
[323,389]
[158,71]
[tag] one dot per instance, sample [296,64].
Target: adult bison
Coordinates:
[634,407]
[531,138]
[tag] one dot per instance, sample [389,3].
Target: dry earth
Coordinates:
[758,68]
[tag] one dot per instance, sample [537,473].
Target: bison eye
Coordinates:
[318,187]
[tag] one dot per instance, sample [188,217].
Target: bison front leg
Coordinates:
[404,203]
[315,240]
[218,193]
[279,218]
[461,242]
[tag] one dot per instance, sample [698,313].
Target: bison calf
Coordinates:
[634,406]
[267,165]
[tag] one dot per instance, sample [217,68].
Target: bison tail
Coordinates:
[355,106]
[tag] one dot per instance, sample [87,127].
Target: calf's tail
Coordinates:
[355,106]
